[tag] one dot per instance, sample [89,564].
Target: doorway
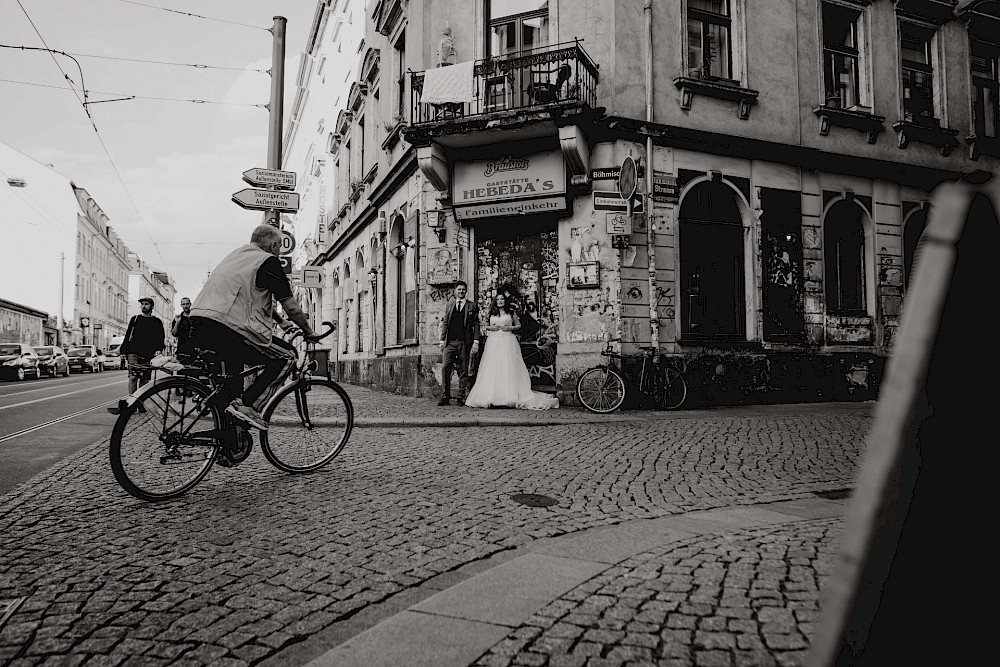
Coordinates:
[523,258]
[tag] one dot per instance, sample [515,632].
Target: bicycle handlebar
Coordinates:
[331,327]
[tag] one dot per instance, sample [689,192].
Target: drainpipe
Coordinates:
[654,318]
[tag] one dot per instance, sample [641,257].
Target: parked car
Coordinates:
[18,360]
[52,360]
[114,351]
[113,361]
[86,358]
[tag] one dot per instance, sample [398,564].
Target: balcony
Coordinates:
[561,75]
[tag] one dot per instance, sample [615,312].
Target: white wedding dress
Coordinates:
[502,379]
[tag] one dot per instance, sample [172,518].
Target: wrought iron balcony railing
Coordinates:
[527,80]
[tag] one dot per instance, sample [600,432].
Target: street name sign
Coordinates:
[284,180]
[609,200]
[309,276]
[263,200]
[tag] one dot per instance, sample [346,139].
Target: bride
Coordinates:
[502,379]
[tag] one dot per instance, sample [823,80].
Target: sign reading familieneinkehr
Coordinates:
[263,200]
[284,180]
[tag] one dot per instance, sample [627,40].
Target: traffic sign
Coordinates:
[286,264]
[262,200]
[287,242]
[309,276]
[627,180]
[270,177]
[608,200]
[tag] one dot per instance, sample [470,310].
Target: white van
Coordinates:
[112,351]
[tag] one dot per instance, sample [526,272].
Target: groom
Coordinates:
[459,340]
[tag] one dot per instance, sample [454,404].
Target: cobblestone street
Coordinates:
[255,565]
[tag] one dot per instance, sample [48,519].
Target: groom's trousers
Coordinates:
[455,358]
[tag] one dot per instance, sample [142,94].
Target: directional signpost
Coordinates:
[281,180]
[309,276]
[264,200]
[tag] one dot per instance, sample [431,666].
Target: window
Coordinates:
[517,25]
[400,51]
[844,248]
[985,88]
[709,24]
[913,230]
[841,56]
[918,70]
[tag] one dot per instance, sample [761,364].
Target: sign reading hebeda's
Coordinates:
[503,179]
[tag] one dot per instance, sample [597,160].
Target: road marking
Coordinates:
[48,386]
[37,427]
[49,398]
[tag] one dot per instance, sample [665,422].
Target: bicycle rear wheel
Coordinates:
[309,423]
[154,455]
[669,388]
[601,389]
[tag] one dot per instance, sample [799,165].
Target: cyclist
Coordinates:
[234,316]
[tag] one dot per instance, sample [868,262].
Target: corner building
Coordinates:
[785,151]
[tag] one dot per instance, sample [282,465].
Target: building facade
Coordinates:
[779,159]
[100,308]
[20,324]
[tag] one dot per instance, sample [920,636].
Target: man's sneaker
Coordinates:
[246,414]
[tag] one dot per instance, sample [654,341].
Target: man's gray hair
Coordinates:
[264,235]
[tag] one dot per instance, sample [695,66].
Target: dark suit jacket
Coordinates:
[471,312]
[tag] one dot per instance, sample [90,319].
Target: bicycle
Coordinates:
[602,389]
[170,432]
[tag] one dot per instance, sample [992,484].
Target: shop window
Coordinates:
[844,254]
[913,231]
[843,56]
[917,70]
[985,59]
[712,265]
[781,220]
[709,39]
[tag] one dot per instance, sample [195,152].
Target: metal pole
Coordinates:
[62,289]
[276,107]
[654,316]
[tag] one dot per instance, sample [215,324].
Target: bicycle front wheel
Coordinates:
[601,389]
[309,423]
[669,388]
[156,450]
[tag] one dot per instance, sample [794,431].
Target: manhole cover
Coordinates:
[534,500]
[8,607]
[836,494]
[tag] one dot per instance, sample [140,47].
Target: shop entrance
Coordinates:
[523,257]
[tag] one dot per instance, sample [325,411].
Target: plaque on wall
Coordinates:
[444,265]
[583,275]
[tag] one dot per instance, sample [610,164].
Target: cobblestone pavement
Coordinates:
[253,561]
[746,600]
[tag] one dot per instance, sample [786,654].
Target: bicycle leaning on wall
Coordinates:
[603,388]
[170,432]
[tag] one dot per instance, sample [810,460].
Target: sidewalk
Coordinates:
[380,409]
[737,585]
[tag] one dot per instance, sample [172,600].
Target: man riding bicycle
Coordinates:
[233,316]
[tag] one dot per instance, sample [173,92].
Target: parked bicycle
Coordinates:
[170,433]
[602,389]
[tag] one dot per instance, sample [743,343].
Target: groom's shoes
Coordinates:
[443,401]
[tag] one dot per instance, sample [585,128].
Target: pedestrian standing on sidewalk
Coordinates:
[144,339]
[459,340]
[180,329]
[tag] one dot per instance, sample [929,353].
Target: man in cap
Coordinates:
[234,316]
[144,339]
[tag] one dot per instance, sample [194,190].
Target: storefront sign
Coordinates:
[618,223]
[610,201]
[502,208]
[505,179]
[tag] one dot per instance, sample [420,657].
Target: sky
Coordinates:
[170,167]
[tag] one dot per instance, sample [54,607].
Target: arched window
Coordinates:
[913,230]
[713,301]
[348,290]
[844,254]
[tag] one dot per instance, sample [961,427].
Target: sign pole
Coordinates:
[276,107]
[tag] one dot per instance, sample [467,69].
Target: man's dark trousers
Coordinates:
[456,358]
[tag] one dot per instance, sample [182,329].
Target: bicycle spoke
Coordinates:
[308,425]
